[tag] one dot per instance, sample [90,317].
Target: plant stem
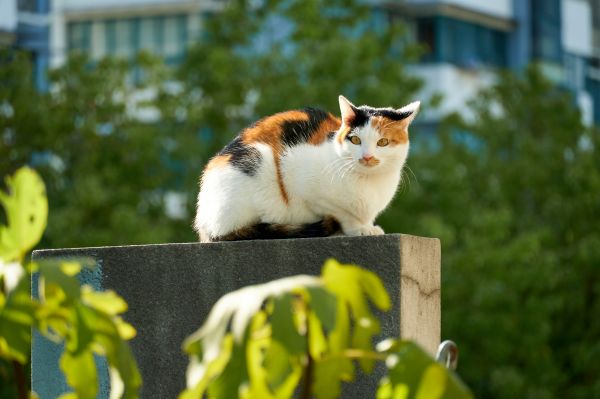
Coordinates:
[308,369]
[20,379]
[308,377]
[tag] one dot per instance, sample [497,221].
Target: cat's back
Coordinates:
[290,128]
[268,139]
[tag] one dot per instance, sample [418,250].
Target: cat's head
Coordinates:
[375,138]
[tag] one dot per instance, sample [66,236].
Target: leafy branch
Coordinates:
[302,335]
[88,322]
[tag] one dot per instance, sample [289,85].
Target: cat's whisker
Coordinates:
[412,173]
[344,168]
[337,166]
[348,170]
[404,183]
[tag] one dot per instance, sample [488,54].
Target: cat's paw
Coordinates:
[365,230]
[377,231]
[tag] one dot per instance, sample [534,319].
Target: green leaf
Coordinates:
[16,320]
[26,209]
[82,334]
[53,281]
[283,326]
[105,301]
[409,367]
[118,353]
[210,371]
[70,268]
[256,344]
[80,372]
[353,286]
[276,363]
[433,382]
[387,391]
[339,337]
[122,360]
[234,373]
[317,343]
[328,376]
[373,287]
[324,304]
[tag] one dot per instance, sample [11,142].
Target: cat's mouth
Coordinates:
[369,162]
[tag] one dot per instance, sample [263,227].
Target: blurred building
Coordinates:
[24,24]
[468,39]
[124,27]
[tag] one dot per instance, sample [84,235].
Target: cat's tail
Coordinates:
[266,231]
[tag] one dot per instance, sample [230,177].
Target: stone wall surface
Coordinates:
[170,289]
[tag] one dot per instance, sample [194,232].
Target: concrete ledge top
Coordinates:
[235,244]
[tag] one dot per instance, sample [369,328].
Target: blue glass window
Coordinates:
[165,36]
[80,36]
[461,43]
[593,87]
[546,30]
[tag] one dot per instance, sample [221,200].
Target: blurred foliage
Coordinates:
[301,336]
[105,170]
[85,321]
[510,186]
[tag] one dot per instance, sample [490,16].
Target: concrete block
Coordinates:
[170,289]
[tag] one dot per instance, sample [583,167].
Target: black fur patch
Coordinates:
[361,117]
[296,132]
[243,157]
[364,112]
[266,231]
[389,113]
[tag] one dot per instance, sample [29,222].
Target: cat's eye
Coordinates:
[355,140]
[383,142]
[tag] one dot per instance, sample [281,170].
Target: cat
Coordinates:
[305,173]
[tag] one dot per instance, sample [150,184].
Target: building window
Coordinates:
[79,36]
[165,36]
[546,30]
[27,5]
[461,43]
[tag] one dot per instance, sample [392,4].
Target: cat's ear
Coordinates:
[410,110]
[347,109]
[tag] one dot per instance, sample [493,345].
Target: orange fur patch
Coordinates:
[342,136]
[331,124]
[268,131]
[395,131]
[217,162]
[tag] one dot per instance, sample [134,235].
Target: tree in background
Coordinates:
[107,170]
[513,195]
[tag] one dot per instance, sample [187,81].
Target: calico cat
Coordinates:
[305,173]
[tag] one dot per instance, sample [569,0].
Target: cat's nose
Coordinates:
[367,157]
